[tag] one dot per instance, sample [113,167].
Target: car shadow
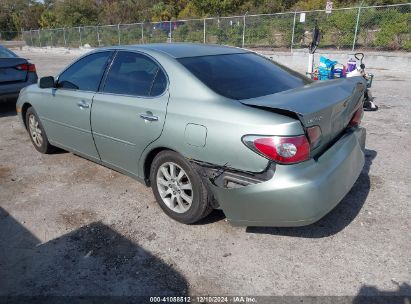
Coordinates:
[215,216]
[340,217]
[8,108]
[372,295]
[94,260]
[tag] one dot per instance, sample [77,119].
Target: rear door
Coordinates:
[65,111]
[129,111]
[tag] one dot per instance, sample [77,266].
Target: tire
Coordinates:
[174,199]
[36,132]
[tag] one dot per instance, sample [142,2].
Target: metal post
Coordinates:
[79,33]
[170,30]
[39,38]
[310,63]
[119,34]
[142,33]
[31,38]
[51,38]
[204,33]
[98,36]
[292,35]
[64,36]
[356,27]
[244,29]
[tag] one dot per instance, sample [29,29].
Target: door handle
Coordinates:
[82,104]
[148,117]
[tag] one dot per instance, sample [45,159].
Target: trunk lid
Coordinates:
[328,104]
[9,71]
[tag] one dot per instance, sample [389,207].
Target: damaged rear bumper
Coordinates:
[300,194]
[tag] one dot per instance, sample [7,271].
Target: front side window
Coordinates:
[243,76]
[86,73]
[135,74]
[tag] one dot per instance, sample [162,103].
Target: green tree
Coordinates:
[76,12]
[160,12]
[48,19]
[124,11]
[189,11]
[30,18]
[218,7]
[394,31]
[10,14]
[338,29]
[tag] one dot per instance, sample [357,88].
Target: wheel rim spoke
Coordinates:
[172,171]
[187,198]
[186,187]
[165,173]
[180,175]
[181,203]
[162,182]
[165,192]
[167,201]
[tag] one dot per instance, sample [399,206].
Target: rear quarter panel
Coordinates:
[226,122]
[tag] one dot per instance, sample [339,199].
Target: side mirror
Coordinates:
[47,82]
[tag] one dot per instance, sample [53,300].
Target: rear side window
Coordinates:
[135,74]
[243,76]
[86,73]
[5,53]
[159,84]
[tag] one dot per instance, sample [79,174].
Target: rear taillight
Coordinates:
[356,118]
[29,67]
[283,150]
[314,136]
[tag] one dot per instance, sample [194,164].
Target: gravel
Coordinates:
[71,227]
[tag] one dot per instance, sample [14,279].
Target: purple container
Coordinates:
[351,65]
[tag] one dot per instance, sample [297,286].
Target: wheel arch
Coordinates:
[149,160]
[24,109]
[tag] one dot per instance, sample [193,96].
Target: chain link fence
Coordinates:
[369,27]
[10,35]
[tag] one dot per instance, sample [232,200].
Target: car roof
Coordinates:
[181,50]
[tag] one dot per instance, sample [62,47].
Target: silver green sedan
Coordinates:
[206,127]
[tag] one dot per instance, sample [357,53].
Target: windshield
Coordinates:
[243,76]
[5,53]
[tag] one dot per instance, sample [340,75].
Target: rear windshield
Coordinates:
[243,76]
[5,53]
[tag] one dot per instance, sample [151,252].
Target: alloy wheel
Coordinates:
[35,131]
[175,187]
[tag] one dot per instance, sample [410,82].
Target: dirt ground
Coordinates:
[71,227]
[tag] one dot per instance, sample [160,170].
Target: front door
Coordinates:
[129,111]
[66,111]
